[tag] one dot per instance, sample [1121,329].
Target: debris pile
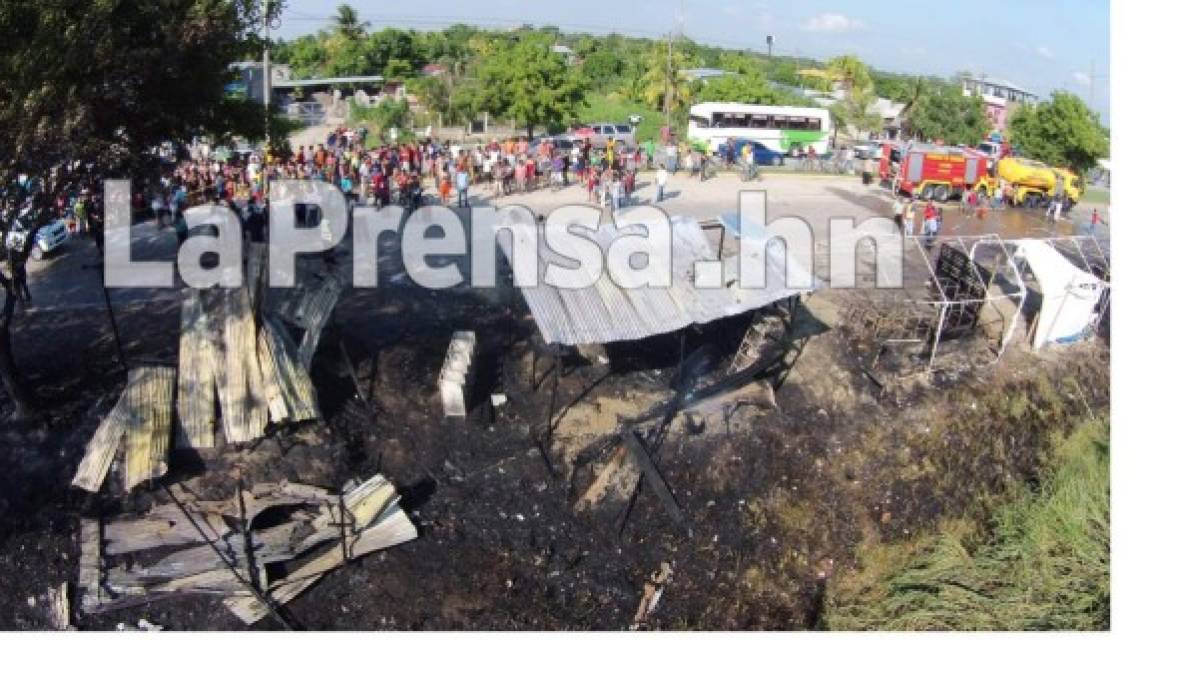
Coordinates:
[233,548]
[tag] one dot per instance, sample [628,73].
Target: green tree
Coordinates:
[1061,131]
[348,24]
[95,84]
[434,95]
[391,53]
[753,88]
[664,86]
[851,72]
[944,113]
[531,84]
[854,111]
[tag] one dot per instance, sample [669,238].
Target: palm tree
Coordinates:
[664,84]
[915,92]
[347,23]
[850,71]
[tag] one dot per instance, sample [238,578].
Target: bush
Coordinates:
[1042,564]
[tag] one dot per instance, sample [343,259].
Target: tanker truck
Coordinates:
[1034,184]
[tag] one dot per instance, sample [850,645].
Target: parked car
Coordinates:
[868,150]
[621,133]
[762,155]
[48,238]
[563,143]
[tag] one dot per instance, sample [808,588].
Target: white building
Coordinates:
[1000,96]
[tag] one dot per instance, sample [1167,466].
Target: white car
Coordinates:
[47,240]
[870,150]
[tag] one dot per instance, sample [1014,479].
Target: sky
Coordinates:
[1042,46]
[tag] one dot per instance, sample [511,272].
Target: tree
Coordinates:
[1061,131]
[434,95]
[664,84]
[391,53]
[96,84]
[912,93]
[753,88]
[854,111]
[944,113]
[529,82]
[348,25]
[851,72]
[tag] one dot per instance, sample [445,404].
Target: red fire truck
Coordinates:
[935,172]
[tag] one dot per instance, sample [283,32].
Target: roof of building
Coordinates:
[606,312]
[325,81]
[998,82]
[703,73]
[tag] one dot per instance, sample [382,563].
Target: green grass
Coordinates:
[611,107]
[1041,563]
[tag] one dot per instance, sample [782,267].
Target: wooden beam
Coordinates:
[654,477]
[197,373]
[295,385]
[102,447]
[162,525]
[151,404]
[91,564]
[244,413]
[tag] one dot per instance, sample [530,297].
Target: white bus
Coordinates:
[781,128]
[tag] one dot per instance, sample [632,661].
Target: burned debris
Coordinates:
[231,548]
[606,387]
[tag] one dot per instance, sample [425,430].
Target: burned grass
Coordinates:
[779,504]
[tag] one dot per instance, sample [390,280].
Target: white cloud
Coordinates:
[1044,51]
[916,50]
[830,22]
[1081,78]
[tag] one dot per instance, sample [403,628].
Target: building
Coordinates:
[248,78]
[1001,97]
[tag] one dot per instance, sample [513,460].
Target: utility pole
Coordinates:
[669,74]
[266,75]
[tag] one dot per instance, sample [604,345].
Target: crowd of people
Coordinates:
[412,173]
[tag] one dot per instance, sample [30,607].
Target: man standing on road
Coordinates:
[462,178]
[662,177]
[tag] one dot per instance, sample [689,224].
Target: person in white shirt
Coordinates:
[662,177]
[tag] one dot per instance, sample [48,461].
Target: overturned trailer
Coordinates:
[960,287]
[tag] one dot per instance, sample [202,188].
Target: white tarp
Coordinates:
[1070,294]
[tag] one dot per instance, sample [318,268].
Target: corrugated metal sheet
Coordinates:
[605,312]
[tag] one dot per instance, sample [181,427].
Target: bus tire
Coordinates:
[925,193]
[942,193]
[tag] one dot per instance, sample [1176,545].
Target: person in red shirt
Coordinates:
[1095,221]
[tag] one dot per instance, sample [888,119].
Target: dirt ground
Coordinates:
[776,501]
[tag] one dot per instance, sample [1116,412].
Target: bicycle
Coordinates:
[748,172]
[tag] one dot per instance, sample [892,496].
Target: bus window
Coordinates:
[701,122]
[760,122]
